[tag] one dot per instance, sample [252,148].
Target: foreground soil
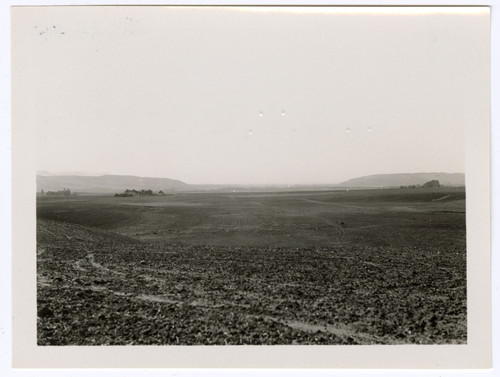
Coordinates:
[98,287]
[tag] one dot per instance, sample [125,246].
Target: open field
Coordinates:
[322,267]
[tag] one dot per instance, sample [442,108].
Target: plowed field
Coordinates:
[358,267]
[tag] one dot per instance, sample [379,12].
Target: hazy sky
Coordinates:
[249,95]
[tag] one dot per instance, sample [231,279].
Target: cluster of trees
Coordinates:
[129,193]
[63,192]
[433,183]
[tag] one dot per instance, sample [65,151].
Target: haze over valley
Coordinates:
[117,183]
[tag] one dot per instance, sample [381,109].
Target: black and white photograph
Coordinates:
[252,176]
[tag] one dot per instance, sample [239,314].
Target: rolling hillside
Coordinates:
[405,179]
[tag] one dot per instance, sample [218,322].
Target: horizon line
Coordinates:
[87,174]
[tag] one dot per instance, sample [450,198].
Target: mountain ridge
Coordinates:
[107,183]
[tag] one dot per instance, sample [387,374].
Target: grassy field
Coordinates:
[321,267]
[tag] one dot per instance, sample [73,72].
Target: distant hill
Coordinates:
[107,183]
[405,179]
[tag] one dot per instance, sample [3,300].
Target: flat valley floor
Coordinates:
[319,267]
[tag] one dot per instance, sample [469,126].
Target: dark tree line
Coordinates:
[433,183]
[129,193]
[63,192]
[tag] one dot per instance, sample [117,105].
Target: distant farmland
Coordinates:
[317,267]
